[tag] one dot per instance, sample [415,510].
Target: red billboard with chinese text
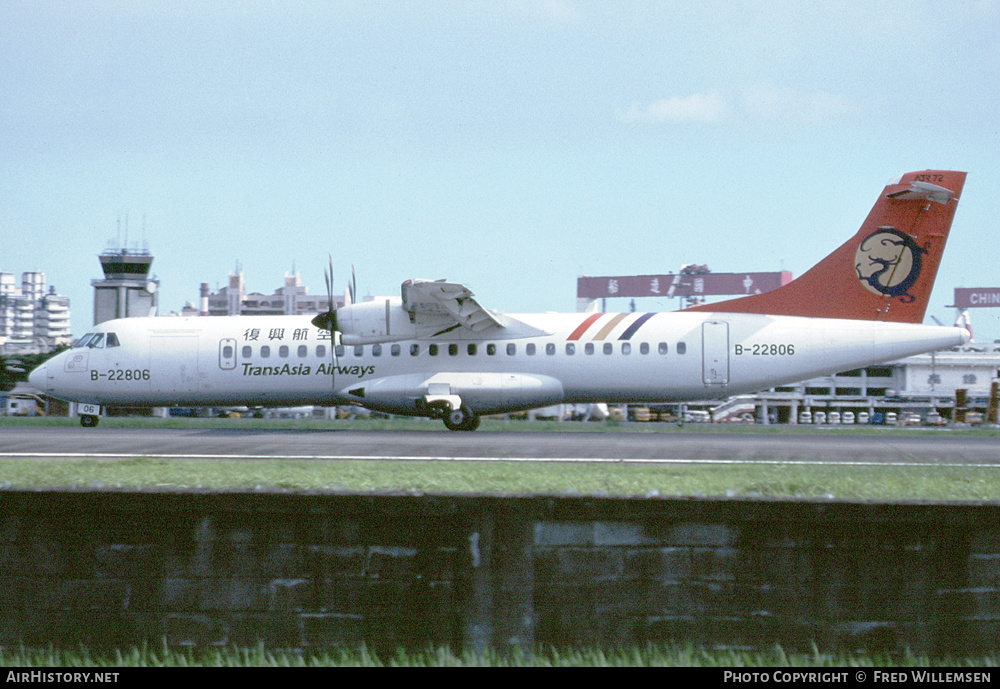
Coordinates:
[680,285]
[976,297]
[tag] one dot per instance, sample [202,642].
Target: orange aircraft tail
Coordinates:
[886,271]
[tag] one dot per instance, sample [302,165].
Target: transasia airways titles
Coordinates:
[435,351]
[250,369]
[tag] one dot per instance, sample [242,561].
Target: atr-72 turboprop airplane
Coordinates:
[435,351]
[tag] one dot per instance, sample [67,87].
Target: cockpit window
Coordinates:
[93,340]
[112,341]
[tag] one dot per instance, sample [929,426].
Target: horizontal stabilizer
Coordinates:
[923,190]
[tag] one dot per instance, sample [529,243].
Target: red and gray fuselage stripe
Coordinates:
[606,329]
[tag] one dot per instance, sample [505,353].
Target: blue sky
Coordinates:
[511,145]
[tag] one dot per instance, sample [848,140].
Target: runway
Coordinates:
[838,446]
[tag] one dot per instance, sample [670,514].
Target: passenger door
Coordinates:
[715,353]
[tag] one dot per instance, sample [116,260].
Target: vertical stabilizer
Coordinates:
[886,271]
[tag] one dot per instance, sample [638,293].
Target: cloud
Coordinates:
[778,103]
[698,107]
[760,102]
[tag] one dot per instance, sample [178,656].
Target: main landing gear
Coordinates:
[89,420]
[455,419]
[441,404]
[461,419]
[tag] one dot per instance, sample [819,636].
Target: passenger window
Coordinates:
[491,350]
[321,351]
[414,349]
[529,349]
[227,352]
[471,349]
[608,348]
[588,348]
[377,350]
[283,351]
[511,349]
[681,348]
[340,350]
[433,350]
[662,348]
[452,349]
[570,348]
[247,351]
[626,348]
[359,351]
[112,341]
[265,351]
[550,349]
[395,350]
[644,348]
[302,351]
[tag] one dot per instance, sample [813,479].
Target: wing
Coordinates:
[449,303]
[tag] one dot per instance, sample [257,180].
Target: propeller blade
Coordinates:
[333,329]
[327,320]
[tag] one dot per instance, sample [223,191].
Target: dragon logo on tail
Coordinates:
[888,263]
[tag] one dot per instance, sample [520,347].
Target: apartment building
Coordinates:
[32,316]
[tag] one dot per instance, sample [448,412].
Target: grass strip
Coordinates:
[938,482]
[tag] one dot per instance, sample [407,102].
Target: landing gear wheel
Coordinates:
[88,421]
[461,419]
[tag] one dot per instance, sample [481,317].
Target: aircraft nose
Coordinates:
[38,378]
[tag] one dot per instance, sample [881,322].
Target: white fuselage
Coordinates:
[633,357]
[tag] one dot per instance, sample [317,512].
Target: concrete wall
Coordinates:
[115,568]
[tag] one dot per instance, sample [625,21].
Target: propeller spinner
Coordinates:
[328,319]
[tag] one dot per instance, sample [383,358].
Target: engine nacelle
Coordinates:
[370,322]
[484,393]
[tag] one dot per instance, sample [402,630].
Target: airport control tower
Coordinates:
[126,290]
